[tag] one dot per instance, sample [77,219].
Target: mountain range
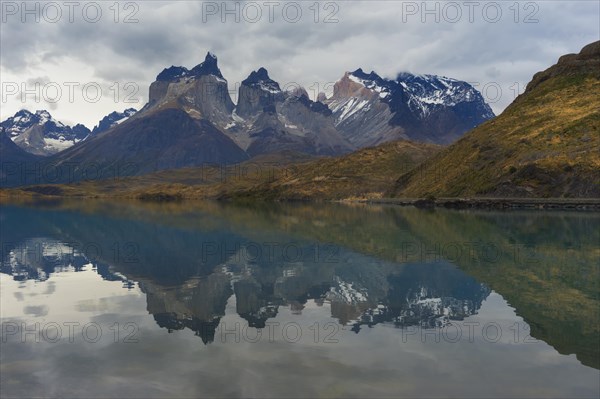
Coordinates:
[545,144]
[191,120]
[40,134]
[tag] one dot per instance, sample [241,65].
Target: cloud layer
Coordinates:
[73,51]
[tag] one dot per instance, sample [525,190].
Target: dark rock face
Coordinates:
[261,79]
[257,93]
[208,67]
[315,106]
[172,73]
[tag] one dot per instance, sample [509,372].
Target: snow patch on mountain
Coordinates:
[383,91]
[39,133]
[350,107]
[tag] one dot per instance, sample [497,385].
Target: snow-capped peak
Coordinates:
[41,134]
[428,91]
[44,117]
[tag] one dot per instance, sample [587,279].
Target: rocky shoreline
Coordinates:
[578,204]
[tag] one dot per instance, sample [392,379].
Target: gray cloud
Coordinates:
[381,36]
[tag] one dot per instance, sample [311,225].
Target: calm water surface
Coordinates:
[206,299]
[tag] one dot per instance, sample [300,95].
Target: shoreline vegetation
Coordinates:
[480,203]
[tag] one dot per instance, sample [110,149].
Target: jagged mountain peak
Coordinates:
[208,67]
[261,74]
[260,78]
[25,119]
[431,80]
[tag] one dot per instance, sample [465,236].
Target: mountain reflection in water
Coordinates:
[366,266]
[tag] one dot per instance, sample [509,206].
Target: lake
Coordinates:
[191,299]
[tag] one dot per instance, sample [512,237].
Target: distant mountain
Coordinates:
[190,120]
[545,144]
[41,134]
[369,109]
[113,119]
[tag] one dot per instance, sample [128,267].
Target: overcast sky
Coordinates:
[496,46]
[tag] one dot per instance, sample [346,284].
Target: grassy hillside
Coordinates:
[367,173]
[545,144]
